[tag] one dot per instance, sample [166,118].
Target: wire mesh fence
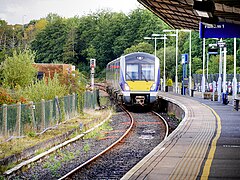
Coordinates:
[21,119]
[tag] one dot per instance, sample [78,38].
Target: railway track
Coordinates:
[148,131]
[74,171]
[133,136]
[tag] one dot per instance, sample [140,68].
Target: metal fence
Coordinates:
[214,77]
[21,119]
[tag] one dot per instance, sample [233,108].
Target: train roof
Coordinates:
[130,54]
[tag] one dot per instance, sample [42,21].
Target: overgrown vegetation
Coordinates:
[19,82]
[18,145]
[17,70]
[43,89]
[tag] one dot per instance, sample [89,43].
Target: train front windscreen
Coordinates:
[141,72]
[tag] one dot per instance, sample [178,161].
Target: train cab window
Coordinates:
[132,72]
[147,72]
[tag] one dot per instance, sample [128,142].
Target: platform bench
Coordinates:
[236,103]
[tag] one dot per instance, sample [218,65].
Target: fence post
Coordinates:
[43,113]
[51,112]
[18,122]
[57,109]
[32,107]
[73,105]
[69,107]
[5,119]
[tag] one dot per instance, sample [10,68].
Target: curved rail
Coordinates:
[104,151]
[165,122]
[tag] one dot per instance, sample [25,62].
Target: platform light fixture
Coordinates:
[155,37]
[204,8]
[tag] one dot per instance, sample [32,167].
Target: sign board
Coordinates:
[221,44]
[184,58]
[220,30]
[213,50]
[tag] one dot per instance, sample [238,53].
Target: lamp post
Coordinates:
[190,56]
[164,59]
[164,63]
[156,37]
[234,84]
[190,59]
[203,74]
[23,38]
[176,73]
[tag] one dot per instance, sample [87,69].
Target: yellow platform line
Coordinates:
[208,163]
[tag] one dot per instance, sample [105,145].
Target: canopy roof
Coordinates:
[179,14]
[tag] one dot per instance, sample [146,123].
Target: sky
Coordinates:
[22,11]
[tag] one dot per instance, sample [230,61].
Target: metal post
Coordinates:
[207,71]
[164,63]
[92,66]
[219,86]
[224,70]
[190,63]
[32,115]
[43,114]
[5,127]
[234,85]
[73,105]
[176,75]
[18,122]
[184,68]
[155,47]
[203,74]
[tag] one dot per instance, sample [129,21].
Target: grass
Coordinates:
[18,145]
[97,133]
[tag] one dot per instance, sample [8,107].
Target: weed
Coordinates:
[86,147]
[171,115]
[68,156]
[31,134]
[106,126]
[53,165]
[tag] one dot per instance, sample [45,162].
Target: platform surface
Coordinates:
[205,145]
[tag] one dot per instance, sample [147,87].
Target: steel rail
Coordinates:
[104,151]
[165,122]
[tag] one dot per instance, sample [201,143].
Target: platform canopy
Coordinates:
[184,14]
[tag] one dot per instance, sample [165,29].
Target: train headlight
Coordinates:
[126,87]
[153,87]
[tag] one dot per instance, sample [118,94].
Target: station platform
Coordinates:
[205,145]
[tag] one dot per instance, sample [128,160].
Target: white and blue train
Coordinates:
[134,79]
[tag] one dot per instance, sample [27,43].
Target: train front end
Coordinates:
[140,78]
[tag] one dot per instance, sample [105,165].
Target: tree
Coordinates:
[18,70]
[49,43]
[141,47]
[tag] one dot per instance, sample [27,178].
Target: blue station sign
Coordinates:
[221,30]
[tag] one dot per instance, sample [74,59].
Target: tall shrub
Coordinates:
[17,70]
[43,89]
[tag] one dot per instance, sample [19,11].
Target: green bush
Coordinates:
[43,89]
[17,70]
